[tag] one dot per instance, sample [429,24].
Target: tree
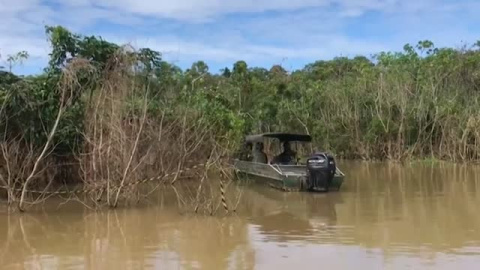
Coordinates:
[66,46]
[240,68]
[149,59]
[226,72]
[17,58]
[198,68]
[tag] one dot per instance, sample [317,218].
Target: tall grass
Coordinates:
[404,107]
[129,115]
[125,136]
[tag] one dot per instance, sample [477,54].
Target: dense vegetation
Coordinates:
[422,102]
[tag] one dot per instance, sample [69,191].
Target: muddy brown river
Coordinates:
[387,216]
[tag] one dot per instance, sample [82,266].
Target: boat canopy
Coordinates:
[283,137]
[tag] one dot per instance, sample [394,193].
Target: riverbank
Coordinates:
[104,114]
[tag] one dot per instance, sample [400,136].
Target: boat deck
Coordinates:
[290,169]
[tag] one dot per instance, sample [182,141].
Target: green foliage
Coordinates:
[67,46]
[7,78]
[31,104]
[420,102]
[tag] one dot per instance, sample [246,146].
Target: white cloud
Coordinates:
[22,28]
[18,5]
[218,51]
[202,9]
[36,47]
[207,9]
[225,31]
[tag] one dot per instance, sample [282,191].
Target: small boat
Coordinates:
[318,173]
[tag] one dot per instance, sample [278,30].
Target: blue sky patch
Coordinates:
[261,32]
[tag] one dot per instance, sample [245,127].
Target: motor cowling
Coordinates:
[321,169]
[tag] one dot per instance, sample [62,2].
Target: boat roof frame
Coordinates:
[282,137]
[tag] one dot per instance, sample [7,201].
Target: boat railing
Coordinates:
[276,168]
[283,169]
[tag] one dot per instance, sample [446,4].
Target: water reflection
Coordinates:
[387,216]
[413,208]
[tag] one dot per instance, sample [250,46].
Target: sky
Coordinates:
[291,33]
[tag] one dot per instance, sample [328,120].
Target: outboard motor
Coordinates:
[321,169]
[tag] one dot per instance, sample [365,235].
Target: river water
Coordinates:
[387,216]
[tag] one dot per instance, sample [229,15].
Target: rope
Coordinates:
[222,192]
[101,188]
